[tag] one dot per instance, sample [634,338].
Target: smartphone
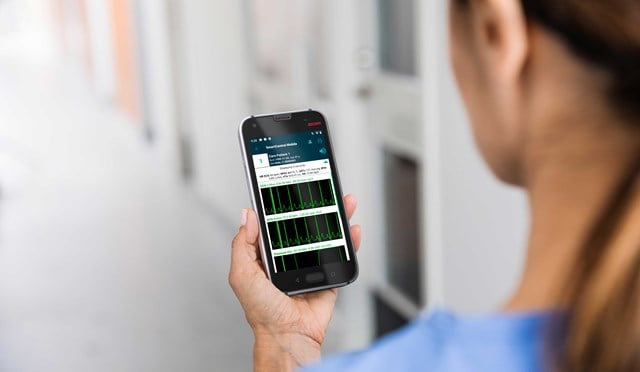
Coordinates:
[295,191]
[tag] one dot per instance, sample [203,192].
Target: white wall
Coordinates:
[101,42]
[216,100]
[159,89]
[476,226]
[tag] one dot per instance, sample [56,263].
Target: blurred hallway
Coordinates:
[107,261]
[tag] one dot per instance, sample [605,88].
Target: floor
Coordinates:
[107,261]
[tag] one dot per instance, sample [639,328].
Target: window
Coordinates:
[397,36]
[401,204]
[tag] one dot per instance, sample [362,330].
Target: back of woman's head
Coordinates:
[601,330]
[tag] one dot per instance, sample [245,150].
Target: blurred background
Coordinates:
[121,180]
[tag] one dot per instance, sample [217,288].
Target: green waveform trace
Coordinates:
[285,241]
[300,204]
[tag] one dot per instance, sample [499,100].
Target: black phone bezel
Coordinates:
[294,282]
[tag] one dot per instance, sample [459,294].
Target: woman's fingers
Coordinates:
[350,204]
[356,236]
[244,251]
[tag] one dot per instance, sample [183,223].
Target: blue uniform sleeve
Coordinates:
[410,348]
[497,343]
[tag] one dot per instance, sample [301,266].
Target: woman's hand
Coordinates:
[289,331]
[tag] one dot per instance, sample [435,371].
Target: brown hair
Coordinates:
[604,33]
[601,328]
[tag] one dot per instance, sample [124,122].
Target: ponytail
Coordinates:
[601,329]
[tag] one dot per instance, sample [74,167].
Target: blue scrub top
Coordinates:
[445,342]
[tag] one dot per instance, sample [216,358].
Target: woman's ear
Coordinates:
[501,34]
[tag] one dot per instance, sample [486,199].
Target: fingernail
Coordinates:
[243,217]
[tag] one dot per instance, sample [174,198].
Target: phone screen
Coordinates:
[305,237]
[298,195]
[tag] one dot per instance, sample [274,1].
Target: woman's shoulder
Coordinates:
[444,341]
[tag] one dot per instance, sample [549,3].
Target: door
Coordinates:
[395,101]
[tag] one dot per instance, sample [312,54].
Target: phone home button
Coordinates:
[314,277]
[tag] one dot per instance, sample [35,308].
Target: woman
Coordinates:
[552,89]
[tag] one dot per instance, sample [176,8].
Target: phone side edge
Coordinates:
[250,186]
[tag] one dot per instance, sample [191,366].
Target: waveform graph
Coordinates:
[298,197]
[314,258]
[304,230]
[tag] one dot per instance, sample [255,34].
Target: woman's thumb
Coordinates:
[250,222]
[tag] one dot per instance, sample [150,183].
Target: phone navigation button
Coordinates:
[314,277]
